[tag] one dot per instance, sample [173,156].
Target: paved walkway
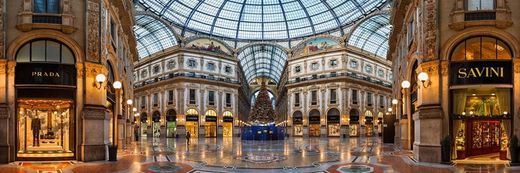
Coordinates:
[334,155]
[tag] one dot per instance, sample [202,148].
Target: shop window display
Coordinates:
[45,128]
[481,121]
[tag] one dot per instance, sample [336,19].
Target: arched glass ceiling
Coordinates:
[152,35]
[262,60]
[372,35]
[262,19]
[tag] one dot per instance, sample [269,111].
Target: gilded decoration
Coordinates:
[431,28]
[93,31]
[516,63]
[3,66]
[2,30]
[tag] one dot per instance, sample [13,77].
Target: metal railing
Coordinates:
[184,74]
[335,74]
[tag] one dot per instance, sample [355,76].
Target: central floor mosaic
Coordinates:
[333,155]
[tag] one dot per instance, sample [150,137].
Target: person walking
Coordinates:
[188,136]
[136,133]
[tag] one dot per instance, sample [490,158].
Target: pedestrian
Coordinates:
[188,136]
[136,133]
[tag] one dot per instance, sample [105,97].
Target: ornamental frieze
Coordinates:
[93,38]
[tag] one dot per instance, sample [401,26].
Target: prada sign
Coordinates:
[42,73]
[481,72]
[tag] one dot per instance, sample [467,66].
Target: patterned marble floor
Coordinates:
[334,155]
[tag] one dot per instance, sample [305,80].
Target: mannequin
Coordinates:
[35,127]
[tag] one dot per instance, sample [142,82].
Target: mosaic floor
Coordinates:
[334,155]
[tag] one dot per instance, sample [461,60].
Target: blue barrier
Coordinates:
[263,133]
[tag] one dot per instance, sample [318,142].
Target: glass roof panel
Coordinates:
[372,35]
[259,19]
[262,60]
[152,35]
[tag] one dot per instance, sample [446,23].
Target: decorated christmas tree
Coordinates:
[262,111]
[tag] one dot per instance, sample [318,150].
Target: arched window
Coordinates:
[478,5]
[47,6]
[45,51]
[481,48]
[192,112]
[227,114]
[211,113]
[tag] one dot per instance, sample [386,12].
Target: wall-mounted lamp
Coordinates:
[136,114]
[130,102]
[405,84]
[117,85]
[100,79]
[395,101]
[134,109]
[389,109]
[423,77]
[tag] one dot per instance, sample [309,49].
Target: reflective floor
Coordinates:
[235,155]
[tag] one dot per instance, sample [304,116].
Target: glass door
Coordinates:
[45,128]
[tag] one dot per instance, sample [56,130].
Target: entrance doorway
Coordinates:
[227,124]
[314,123]
[333,127]
[210,127]
[171,123]
[144,124]
[156,126]
[192,123]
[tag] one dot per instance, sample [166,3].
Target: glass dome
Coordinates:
[152,35]
[372,35]
[262,60]
[262,19]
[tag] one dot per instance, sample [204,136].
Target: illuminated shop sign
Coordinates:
[41,73]
[211,119]
[481,72]
[333,119]
[192,118]
[228,119]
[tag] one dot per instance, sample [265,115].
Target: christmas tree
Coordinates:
[263,111]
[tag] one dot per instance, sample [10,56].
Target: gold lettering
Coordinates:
[471,73]
[39,73]
[495,72]
[33,73]
[462,73]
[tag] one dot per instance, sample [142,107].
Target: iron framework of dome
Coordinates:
[262,60]
[372,35]
[152,35]
[262,19]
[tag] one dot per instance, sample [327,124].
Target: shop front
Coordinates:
[314,123]
[333,126]
[298,123]
[192,123]
[144,124]
[369,123]
[156,124]
[171,123]
[379,122]
[227,124]
[45,86]
[354,126]
[481,98]
[210,125]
